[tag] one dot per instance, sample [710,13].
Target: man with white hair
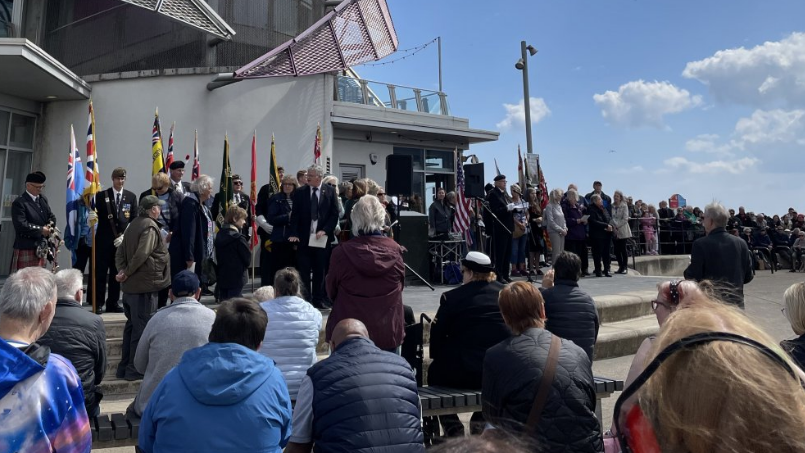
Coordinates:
[314,217]
[721,257]
[79,336]
[41,403]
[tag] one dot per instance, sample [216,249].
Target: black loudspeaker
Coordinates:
[474,180]
[414,237]
[399,175]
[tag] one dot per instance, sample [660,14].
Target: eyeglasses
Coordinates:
[656,303]
[237,183]
[37,186]
[288,184]
[380,194]
[782,310]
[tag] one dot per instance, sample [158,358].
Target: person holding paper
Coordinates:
[576,219]
[314,216]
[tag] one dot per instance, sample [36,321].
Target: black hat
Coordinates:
[185,283]
[499,177]
[177,164]
[478,262]
[36,177]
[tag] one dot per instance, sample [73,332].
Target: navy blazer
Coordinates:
[300,216]
[279,216]
[28,217]
[121,215]
[189,241]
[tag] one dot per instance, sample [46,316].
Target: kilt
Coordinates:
[25,258]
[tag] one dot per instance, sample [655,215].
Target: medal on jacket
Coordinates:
[126,210]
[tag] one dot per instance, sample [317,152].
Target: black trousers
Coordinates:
[579,247]
[312,259]
[282,255]
[105,272]
[82,259]
[600,248]
[620,253]
[139,308]
[501,251]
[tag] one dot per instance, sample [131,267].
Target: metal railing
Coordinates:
[367,92]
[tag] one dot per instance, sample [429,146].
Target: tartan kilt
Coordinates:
[21,259]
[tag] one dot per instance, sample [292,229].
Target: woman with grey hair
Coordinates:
[192,242]
[555,222]
[366,279]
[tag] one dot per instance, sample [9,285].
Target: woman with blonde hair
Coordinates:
[622,231]
[794,311]
[514,367]
[555,222]
[716,383]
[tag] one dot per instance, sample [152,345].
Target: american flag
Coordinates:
[461,224]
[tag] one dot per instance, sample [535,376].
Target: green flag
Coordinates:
[225,190]
[274,183]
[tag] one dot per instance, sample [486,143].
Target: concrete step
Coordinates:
[111,366]
[623,338]
[113,386]
[622,307]
[114,347]
[114,327]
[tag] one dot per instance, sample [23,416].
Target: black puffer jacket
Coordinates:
[796,349]
[80,337]
[233,257]
[512,371]
[571,314]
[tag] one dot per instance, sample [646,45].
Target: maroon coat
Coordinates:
[365,282]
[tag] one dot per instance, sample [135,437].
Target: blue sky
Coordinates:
[701,98]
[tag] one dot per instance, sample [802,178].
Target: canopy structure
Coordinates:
[355,32]
[196,13]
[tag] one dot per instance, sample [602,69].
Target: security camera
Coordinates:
[373,158]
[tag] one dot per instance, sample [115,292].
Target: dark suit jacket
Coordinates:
[261,209]
[300,216]
[189,241]
[28,217]
[498,204]
[121,215]
[723,258]
[245,203]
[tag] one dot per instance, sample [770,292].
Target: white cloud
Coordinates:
[763,75]
[767,127]
[716,166]
[639,103]
[515,113]
[707,143]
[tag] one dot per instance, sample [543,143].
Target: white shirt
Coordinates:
[177,186]
[302,421]
[32,195]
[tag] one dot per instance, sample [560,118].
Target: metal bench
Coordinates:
[442,400]
[114,430]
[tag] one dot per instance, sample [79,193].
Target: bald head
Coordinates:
[347,329]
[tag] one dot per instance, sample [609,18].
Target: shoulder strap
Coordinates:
[544,385]
[109,210]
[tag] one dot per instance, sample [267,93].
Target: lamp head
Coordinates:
[531,50]
[520,64]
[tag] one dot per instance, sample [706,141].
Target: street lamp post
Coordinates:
[522,64]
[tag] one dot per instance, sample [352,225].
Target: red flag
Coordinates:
[317,145]
[253,194]
[196,162]
[169,158]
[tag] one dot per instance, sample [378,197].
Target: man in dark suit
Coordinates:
[315,211]
[501,206]
[265,229]
[33,222]
[240,199]
[177,172]
[721,257]
[116,208]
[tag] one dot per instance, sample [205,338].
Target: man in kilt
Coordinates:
[33,224]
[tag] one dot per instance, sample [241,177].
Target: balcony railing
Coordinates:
[367,92]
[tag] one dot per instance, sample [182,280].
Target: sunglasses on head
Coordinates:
[634,430]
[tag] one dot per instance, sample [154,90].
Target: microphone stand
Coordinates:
[486,206]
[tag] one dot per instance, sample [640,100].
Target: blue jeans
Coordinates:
[519,249]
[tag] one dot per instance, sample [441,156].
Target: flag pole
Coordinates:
[92,227]
[251,203]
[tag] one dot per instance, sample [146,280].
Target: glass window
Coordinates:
[22,131]
[285,17]
[439,160]
[6,7]
[4,117]
[416,153]
[19,165]
[406,99]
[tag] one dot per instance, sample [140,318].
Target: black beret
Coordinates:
[499,177]
[36,177]
[177,164]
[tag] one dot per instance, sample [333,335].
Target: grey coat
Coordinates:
[183,325]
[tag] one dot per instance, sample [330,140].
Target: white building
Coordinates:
[54,54]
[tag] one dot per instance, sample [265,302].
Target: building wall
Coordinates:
[124,112]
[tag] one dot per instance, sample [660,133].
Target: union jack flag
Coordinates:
[317,145]
[196,161]
[169,158]
[93,185]
[76,212]
[461,224]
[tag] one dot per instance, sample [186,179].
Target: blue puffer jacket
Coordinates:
[291,337]
[571,314]
[222,397]
[365,400]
